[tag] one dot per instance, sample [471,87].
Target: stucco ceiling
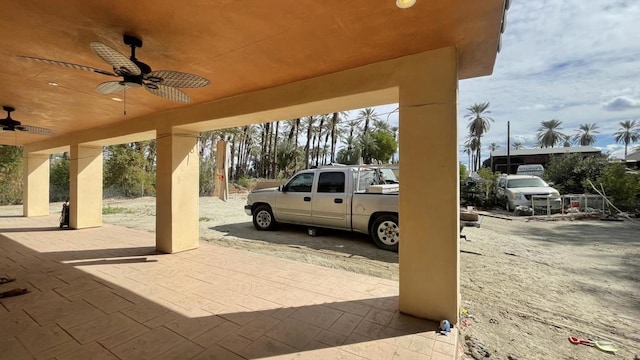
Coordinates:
[239,45]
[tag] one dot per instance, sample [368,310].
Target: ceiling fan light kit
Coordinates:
[135,73]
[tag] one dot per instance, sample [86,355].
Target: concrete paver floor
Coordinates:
[105,293]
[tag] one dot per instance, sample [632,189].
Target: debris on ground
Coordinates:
[476,348]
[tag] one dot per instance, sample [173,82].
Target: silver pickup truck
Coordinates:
[354,198]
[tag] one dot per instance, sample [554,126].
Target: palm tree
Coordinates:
[368,146]
[468,151]
[380,124]
[478,125]
[517,145]
[628,133]
[394,131]
[309,123]
[320,129]
[368,115]
[493,146]
[585,136]
[335,131]
[472,142]
[549,134]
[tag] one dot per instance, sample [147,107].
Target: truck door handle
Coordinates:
[337,201]
[307,198]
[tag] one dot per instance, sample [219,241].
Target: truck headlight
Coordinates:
[514,195]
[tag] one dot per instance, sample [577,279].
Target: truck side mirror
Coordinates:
[282,188]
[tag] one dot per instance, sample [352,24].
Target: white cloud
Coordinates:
[560,60]
[616,151]
[534,107]
[621,103]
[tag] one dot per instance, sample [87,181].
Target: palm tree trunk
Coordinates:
[268,159]
[291,133]
[295,159]
[233,154]
[307,148]
[319,138]
[334,138]
[274,171]
[326,145]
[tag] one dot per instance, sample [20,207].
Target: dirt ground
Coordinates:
[526,285]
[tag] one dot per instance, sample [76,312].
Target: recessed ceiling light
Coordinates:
[116,99]
[53,83]
[405,4]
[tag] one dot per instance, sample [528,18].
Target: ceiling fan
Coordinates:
[135,73]
[9,124]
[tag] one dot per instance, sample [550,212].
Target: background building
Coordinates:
[498,159]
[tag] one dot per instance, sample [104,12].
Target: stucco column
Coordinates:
[85,193]
[429,188]
[177,184]
[35,194]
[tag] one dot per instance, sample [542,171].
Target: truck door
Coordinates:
[329,206]
[293,204]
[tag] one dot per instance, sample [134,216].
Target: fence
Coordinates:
[571,203]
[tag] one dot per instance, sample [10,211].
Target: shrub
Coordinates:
[621,188]
[244,182]
[569,172]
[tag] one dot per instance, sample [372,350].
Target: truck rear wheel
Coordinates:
[385,232]
[263,218]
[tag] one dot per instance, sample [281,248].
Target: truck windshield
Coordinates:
[520,183]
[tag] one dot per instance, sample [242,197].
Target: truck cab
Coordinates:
[338,197]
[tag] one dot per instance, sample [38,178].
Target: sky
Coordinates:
[573,60]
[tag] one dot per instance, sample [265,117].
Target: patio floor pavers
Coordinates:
[105,293]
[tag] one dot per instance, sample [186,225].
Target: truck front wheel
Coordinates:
[385,232]
[263,218]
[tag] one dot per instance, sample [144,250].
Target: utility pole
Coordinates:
[508,147]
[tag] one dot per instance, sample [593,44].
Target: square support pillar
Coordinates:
[85,193]
[35,195]
[429,190]
[177,191]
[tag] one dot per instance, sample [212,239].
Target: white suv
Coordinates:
[517,190]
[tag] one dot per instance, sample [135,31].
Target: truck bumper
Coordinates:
[247,210]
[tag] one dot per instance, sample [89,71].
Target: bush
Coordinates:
[10,175]
[207,177]
[569,173]
[488,185]
[59,179]
[244,182]
[125,172]
[621,188]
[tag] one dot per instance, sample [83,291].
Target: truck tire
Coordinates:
[385,232]
[263,219]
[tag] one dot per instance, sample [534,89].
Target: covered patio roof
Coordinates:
[240,46]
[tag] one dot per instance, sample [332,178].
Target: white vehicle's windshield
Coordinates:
[520,183]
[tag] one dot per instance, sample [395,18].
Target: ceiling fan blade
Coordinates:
[121,64]
[169,93]
[34,130]
[177,79]
[110,87]
[69,65]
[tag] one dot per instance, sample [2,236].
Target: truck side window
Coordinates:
[331,182]
[301,183]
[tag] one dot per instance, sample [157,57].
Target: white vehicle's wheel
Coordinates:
[385,232]
[263,218]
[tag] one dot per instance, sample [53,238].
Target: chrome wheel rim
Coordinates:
[263,219]
[389,233]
